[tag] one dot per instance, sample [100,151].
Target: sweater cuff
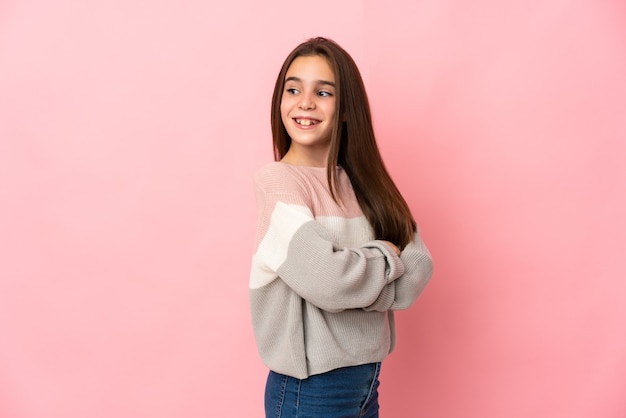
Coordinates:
[394,265]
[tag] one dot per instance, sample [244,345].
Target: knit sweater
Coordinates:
[322,289]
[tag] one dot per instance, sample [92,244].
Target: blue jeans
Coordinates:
[348,392]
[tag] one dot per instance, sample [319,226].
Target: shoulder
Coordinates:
[277,177]
[270,171]
[277,182]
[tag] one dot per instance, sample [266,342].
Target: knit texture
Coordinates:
[322,289]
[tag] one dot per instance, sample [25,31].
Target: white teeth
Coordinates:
[304,122]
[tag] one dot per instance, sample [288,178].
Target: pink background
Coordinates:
[129,132]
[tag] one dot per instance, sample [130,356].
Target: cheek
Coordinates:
[284,115]
[330,111]
[284,109]
[330,108]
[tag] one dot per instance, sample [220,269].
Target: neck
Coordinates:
[311,158]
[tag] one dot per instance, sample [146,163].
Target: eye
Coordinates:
[292,90]
[324,93]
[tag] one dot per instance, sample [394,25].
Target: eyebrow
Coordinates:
[322,82]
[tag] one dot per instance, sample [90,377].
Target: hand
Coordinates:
[393,246]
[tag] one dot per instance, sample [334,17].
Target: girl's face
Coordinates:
[307,110]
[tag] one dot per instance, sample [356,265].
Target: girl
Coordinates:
[337,249]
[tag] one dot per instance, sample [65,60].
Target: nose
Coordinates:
[306,102]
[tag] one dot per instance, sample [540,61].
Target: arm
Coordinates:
[299,251]
[418,269]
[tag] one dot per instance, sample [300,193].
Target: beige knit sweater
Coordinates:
[322,290]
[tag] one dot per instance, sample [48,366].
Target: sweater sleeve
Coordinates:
[402,292]
[293,247]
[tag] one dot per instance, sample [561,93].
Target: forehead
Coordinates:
[311,68]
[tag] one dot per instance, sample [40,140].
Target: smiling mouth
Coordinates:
[306,122]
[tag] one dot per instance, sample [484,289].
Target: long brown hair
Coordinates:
[352,145]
